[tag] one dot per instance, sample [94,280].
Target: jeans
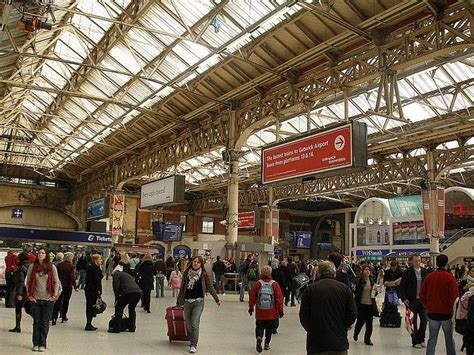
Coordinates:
[244,285]
[267,326]
[130,299]
[420,330]
[192,317]
[364,316]
[82,278]
[160,285]
[41,312]
[447,326]
[220,283]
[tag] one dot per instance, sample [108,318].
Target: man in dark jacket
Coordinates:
[292,271]
[160,269]
[126,292]
[219,270]
[327,311]
[341,276]
[67,276]
[279,276]
[410,286]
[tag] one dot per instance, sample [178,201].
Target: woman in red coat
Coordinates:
[267,299]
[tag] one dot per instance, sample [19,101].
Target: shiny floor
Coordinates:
[224,330]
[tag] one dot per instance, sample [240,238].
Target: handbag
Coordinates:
[100,306]
[409,321]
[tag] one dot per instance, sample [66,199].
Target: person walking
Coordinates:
[160,269]
[243,268]
[267,300]
[292,271]
[67,276]
[43,289]
[19,278]
[146,275]
[365,304]
[327,311]
[126,292]
[279,276]
[410,286]
[219,269]
[11,264]
[438,294]
[175,281]
[170,264]
[194,287]
[341,276]
[93,289]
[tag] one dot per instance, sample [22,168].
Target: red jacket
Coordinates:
[11,262]
[266,314]
[438,292]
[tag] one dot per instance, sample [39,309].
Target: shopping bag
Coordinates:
[409,321]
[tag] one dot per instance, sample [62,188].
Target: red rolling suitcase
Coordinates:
[176,325]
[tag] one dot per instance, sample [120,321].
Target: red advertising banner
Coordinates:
[247,220]
[118,210]
[321,152]
[425,198]
[440,197]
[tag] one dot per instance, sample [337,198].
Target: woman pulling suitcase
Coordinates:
[195,285]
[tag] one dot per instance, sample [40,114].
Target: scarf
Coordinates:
[32,285]
[193,276]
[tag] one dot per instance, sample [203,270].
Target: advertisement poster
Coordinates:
[420,231]
[246,220]
[440,197]
[425,197]
[118,210]
[377,235]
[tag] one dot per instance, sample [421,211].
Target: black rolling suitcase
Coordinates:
[390,320]
[299,281]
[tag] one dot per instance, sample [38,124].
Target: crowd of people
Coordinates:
[334,296]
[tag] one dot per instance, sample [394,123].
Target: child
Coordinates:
[267,299]
[175,281]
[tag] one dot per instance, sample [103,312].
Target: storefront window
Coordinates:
[373,235]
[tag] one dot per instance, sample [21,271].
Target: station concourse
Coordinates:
[244,134]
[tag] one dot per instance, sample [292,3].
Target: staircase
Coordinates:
[458,246]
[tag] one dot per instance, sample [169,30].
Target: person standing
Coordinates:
[195,285]
[126,292]
[365,304]
[327,311]
[146,275]
[243,268]
[341,276]
[93,289]
[279,276]
[219,270]
[267,300]
[19,278]
[160,269]
[67,276]
[109,267]
[43,289]
[169,267]
[292,271]
[252,273]
[410,286]
[438,293]
[11,264]
[81,268]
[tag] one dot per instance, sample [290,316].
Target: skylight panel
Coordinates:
[123,56]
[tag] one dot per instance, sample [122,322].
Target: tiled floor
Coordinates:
[225,330]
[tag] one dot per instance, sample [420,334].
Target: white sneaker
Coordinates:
[35,348]
[418,346]
[192,349]
[423,344]
[42,349]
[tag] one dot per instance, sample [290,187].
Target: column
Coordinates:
[233,200]
[347,233]
[433,200]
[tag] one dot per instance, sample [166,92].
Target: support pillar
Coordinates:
[233,202]
[433,200]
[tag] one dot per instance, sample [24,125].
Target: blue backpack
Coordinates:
[266,297]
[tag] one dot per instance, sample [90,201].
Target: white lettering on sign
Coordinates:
[158,192]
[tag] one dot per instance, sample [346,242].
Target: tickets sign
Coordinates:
[343,147]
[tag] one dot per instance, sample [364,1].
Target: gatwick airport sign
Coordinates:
[336,150]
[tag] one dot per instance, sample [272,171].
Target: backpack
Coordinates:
[252,274]
[266,297]
[461,306]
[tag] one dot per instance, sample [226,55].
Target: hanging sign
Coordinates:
[118,210]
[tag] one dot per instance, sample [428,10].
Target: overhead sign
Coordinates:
[317,154]
[181,251]
[59,236]
[118,211]
[167,231]
[163,191]
[246,220]
[98,209]
[17,213]
[377,252]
